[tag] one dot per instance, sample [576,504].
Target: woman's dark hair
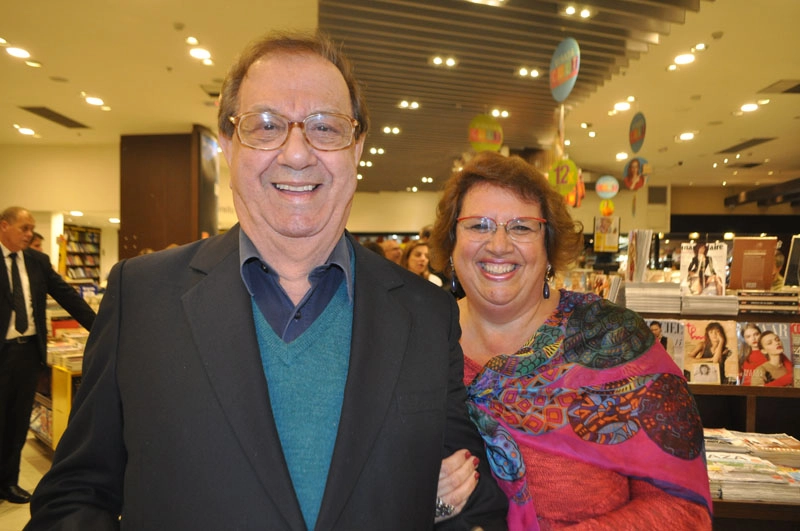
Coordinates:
[563,235]
[746,348]
[718,327]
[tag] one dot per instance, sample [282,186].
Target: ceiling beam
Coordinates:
[787,191]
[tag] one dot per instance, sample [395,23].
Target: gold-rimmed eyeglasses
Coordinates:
[268,130]
[482,228]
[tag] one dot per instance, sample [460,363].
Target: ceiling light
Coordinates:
[200,53]
[27,131]
[523,71]
[672,68]
[33,64]
[700,46]
[208,62]
[414,105]
[728,235]
[749,107]
[694,235]
[92,100]
[76,213]
[585,13]
[359,176]
[437,60]
[376,151]
[105,108]
[763,102]
[684,59]
[567,142]
[570,10]
[395,130]
[115,221]
[714,165]
[612,112]
[450,62]
[414,188]
[622,156]
[622,106]
[592,134]
[724,183]
[585,125]
[18,52]
[494,3]
[192,41]
[403,104]
[686,136]
[724,161]
[631,99]
[738,155]
[3,41]
[534,73]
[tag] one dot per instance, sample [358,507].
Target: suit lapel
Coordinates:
[218,308]
[380,329]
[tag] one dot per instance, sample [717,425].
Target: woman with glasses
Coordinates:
[586,419]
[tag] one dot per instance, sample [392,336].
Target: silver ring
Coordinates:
[443,508]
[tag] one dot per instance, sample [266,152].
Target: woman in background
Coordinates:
[751,356]
[415,259]
[587,421]
[777,370]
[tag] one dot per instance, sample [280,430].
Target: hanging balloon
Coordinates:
[485,133]
[564,66]
[637,132]
[606,207]
[563,176]
[606,187]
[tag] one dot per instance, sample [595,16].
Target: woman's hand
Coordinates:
[457,479]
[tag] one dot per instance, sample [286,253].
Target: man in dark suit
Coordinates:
[279,376]
[27,277]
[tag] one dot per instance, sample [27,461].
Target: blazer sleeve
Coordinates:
[487,507]
[83,488]
[66,296]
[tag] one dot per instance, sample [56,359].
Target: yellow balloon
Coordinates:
[485,133]
[606,207]
[563,176]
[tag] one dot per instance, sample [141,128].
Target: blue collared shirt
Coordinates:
[287,319]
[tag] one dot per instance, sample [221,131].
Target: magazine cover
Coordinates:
[750,353]
[753,262]
[703,268]
[706,341]
[794,329]
[670,333]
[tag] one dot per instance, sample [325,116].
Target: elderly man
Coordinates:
[26,280]
[392,250]
[279,376]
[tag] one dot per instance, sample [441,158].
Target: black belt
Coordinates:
[20,340]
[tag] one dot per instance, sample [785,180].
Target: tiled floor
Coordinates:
[36,459]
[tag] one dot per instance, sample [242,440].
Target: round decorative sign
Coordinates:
[563,176]
[564,67]
[606,207]
[635,173]
[485,134]
[606,187]
[637,132]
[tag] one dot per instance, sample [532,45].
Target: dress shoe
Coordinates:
[15,494]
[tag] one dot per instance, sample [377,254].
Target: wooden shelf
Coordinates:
[757,511]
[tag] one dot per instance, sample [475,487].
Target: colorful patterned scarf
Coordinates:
[591,385]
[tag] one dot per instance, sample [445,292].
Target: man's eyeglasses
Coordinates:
[268,131]
[482,229]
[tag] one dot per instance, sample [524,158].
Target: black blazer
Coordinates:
[43,281]
[172,426]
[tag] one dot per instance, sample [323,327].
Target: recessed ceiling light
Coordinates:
[689,135]
[33,64]
[622,106]
[763,102]
[585,13]
[621,156]
[749,107]
[672,68]
[592,134]
[3,41]
[18,52]
[631,99]
[192,41]
[567,142]
[585,125]
[113,220]
[684,59]
[27,131]
[450,61]
[570,10]
[92,100]
[714,165]
[200,53]
[105,108]
[437,60]
[76,213]
[208,62]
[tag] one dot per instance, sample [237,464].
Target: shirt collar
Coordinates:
[341,257]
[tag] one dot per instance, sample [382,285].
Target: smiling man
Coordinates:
[279,376]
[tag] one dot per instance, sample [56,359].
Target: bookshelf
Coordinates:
[82,253]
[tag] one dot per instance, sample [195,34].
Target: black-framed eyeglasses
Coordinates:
[482,228]
[268,130]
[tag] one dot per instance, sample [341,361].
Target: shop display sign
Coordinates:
[637,132]
[606,187]
[485,133]
[563,176]
[564,67]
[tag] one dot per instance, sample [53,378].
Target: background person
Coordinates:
[392,250]
[416,259]
[279,375]
[26,279]
[540,363]
[37,242]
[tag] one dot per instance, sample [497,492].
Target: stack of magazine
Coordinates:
[653,297]
[785,301]
[753,467]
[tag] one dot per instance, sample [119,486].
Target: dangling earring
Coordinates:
[547,275]
[453,281]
